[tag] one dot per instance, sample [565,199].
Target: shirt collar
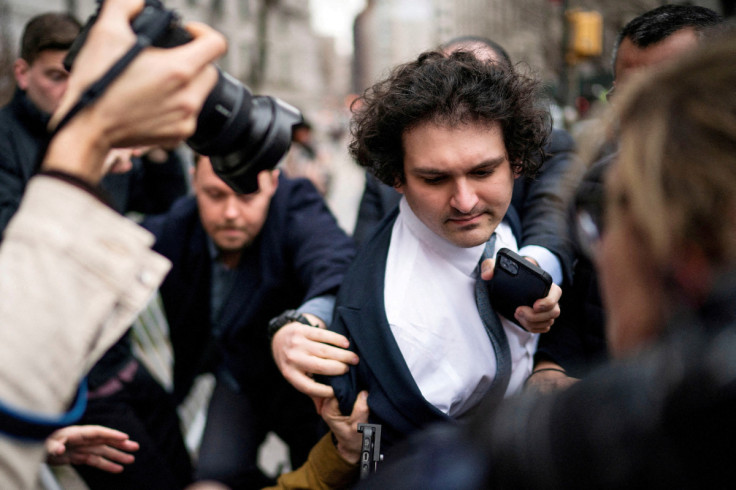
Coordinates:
[464,259]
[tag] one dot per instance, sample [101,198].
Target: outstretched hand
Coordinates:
[101,447]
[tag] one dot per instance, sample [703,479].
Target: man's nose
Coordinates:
[231,207]
[464,197]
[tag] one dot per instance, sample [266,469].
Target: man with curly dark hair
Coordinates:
[450,133]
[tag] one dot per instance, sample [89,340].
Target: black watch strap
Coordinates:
[288,316]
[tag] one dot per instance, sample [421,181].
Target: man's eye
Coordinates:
[482,173]
[57,76]
[434,180]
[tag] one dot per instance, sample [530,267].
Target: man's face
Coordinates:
[631,58]
[44,80]
[232,220]
[458,180]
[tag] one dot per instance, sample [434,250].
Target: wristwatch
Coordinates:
[287,316]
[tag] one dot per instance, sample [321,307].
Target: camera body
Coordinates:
[516,282]
[241,133]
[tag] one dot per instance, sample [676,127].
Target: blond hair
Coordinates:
[677,160]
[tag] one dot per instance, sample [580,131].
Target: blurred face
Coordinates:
[632,289]
[232,220]
[458,180]
[631,58]
[44,80]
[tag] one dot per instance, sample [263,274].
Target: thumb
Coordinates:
[486,269]
[360,408]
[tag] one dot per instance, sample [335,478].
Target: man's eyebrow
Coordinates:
[430,171]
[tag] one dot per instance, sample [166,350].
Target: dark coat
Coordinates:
[300,253]
[393,396]
[23,137]
[148,188]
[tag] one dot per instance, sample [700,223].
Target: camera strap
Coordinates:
[95,90]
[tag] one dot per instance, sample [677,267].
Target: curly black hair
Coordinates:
[448,90]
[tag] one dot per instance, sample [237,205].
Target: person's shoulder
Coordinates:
[183,210]
[560,141]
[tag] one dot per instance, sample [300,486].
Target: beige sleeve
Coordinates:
[73,276]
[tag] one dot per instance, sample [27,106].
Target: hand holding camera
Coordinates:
[242,134]
[155,100]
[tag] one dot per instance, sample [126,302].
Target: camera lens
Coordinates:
[509,265]
[243,134]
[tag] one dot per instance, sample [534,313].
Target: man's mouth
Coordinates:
[465,219]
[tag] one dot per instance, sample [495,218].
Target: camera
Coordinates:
[240,132]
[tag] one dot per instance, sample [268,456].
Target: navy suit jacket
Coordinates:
[394,398]
[300,253]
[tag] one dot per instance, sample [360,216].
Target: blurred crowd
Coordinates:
[619,374]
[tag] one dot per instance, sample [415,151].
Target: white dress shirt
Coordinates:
[429,295]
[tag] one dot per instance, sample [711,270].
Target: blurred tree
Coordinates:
[257,73]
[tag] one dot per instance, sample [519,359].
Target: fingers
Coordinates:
[206,47]
[307,385]
[540,317]
[92,434]
[360,411]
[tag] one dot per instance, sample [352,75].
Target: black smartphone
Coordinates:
[516,282]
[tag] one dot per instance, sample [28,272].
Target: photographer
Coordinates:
[70,286]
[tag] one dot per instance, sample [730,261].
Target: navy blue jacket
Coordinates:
[394,398]
[300,253]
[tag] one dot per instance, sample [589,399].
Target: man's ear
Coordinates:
[20,70]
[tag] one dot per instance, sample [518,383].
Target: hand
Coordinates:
[93,445]
[300,351]
[539,317]
[345,428]
[118,161]
[155,100]
[547,377]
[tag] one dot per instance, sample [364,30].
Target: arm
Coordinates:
[73,273]
[321,255]
[542,206]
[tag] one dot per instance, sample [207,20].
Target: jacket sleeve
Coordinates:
[73,275]
[324,470]
[543,206]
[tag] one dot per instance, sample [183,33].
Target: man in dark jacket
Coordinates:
[239,261]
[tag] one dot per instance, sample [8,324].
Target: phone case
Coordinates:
[516,282]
